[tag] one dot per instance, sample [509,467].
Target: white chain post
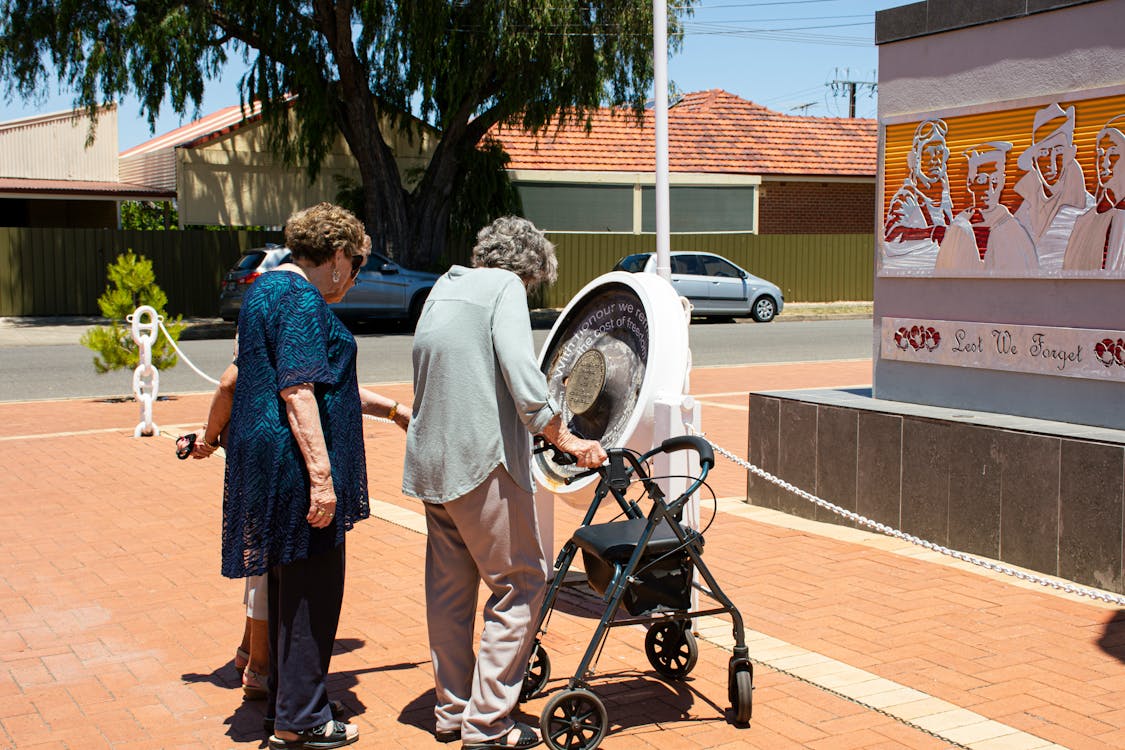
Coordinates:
[145,323]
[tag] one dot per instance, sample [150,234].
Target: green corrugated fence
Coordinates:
[63,271]
[807,267]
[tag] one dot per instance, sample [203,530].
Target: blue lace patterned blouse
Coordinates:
[288,336]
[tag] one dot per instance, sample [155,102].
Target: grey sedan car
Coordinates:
[383,288]
[714,286]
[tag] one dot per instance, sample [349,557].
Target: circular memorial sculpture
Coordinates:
[621,342]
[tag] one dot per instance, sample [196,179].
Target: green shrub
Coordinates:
[132,284]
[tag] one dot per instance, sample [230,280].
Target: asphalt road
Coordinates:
[65,370]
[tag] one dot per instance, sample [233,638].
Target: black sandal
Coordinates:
[448,735]
[317,738]
[527,739]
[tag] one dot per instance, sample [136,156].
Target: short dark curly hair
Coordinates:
[316,233]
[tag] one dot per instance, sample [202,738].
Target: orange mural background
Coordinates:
[1014,126]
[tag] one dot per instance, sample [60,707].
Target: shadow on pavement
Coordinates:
[218,329]
[1113,637]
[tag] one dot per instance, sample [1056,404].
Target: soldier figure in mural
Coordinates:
[1053,188]
[986,237]
[1098,240]
[921,209]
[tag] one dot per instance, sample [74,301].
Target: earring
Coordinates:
[335,275]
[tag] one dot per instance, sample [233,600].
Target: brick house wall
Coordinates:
[816,207]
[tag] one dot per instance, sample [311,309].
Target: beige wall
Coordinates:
[53,147]
[236,181]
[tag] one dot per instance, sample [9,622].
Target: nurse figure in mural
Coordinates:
[1098,240]
[1054,189]
[986,237]
[921,209]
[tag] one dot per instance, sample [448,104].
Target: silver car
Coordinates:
[383,288]
[714,286]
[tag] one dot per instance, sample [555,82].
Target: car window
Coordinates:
[250,261]
[375,262]
[632,263]
[719,267]
[687,264]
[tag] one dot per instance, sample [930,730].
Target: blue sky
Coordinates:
[782,54]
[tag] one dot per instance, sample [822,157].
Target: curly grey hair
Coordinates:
[515,245]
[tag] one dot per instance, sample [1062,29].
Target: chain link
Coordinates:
[1069,588]
[144,334]
[146,378]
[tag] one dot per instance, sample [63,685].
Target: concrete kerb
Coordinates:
[61,330]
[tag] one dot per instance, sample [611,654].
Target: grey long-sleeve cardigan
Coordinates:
[478,392]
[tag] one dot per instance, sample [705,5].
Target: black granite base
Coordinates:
[1046,496]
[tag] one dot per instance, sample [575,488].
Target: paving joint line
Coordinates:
[738,506]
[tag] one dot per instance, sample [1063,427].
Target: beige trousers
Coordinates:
[490,534]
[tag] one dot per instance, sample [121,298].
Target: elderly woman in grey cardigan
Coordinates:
[479,396]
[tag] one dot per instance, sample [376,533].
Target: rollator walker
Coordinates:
[646,565]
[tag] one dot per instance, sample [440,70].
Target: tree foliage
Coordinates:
[148,215]
[463,65]
[132,284]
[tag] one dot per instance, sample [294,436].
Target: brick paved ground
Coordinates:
[117,631]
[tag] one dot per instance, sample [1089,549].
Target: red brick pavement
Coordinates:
[117,630]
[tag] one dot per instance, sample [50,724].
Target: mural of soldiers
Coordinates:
[986,237]
[922,208]
[1053,188]
[1098,239]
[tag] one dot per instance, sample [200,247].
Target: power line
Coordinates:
[850,86]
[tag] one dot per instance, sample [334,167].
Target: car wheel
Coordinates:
[416,306]
[764,309]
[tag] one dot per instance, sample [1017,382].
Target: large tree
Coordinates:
[461,65]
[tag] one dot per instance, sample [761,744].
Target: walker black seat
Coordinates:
[615,541]
[663,577]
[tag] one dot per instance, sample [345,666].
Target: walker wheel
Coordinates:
[538,672]
[742,695]
[671,649]
[574,720]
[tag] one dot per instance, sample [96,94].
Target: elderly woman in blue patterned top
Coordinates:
[478,397]
[296,477]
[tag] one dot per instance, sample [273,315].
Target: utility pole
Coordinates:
[850,86]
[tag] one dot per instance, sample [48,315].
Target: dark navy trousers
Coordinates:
[305,597]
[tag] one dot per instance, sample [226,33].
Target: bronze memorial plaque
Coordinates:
[585,382]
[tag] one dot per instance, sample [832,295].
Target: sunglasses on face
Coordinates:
[357,263]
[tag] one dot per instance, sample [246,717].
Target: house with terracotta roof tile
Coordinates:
[50,176]
[735,166]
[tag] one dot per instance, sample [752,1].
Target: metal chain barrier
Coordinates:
[184,357]
[882,528]
[146,325]
[146,378]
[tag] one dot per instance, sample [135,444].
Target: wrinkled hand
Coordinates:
[322,507]
[402,417]
[589,453]
[201,449]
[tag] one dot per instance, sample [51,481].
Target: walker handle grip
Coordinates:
[696,443]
